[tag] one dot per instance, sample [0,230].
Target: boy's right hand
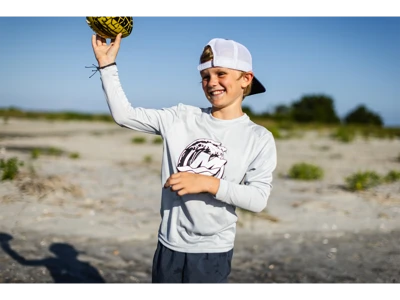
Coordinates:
[105,53]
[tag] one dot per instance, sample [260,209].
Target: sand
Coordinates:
[107,203]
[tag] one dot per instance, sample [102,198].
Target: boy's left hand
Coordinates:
[190,183]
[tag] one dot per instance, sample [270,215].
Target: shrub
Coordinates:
[314,108]
[74,155]
[305,171]
[35,153]
[363,180]
[10,168]
[392,176]
[362,115]
[139,140]
[157,140]
[344,134]
[54,151]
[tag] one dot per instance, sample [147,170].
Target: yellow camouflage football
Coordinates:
[109,27]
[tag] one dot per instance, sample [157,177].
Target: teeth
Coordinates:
[216,93]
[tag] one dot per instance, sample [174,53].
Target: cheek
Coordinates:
[228,84]
[229,81]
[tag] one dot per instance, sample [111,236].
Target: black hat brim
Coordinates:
[256,87]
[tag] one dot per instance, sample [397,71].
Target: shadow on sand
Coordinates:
[64,267]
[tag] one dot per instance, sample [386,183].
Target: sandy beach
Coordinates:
[93,210]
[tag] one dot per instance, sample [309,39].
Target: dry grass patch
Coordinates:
[42,186]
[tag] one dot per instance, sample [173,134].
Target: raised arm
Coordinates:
[4,244]
[154,121]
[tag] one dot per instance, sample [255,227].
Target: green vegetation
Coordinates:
[275,132]
[51,151]
[157,140]
[364,180]
[377,132]
[10,168]
[314,108]
[392,176]
[147,159]
[347,133]
[35,153]
[318,109]
[361,115]
[344,134]
[309,112]
[13,112]
[74,155]
[138,140]
[305,171]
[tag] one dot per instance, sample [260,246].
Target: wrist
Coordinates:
[105,66]
[212,185]
[103,63]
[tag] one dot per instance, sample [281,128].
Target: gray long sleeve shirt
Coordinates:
[239,152]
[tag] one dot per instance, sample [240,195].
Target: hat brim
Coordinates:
[256,87]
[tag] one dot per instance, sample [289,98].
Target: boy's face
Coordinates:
[224,87]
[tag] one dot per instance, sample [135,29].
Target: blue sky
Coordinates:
[354,60]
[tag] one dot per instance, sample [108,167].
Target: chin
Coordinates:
[217,104]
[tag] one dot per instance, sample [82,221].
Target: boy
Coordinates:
[215,159]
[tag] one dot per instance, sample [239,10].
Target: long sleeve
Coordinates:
[154,121]
[253,194]
[239,152]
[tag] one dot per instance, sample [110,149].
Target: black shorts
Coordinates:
[178,267]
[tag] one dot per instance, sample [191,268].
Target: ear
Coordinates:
[246,79]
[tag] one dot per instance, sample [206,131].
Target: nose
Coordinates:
[213,81]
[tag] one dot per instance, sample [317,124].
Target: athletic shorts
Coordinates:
[171,266]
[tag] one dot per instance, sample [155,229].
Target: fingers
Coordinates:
[94,41]
[171,181]
[98,41]
[176,187]
[117,40]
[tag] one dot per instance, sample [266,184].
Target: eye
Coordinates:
[221,74]
[205,78]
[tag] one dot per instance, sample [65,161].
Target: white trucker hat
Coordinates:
[232,55]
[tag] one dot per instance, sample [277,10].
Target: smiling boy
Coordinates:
[214,160]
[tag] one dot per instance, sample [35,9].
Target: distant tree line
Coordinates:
[309,109]
[318,109]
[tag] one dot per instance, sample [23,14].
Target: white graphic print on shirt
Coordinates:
[203,156]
